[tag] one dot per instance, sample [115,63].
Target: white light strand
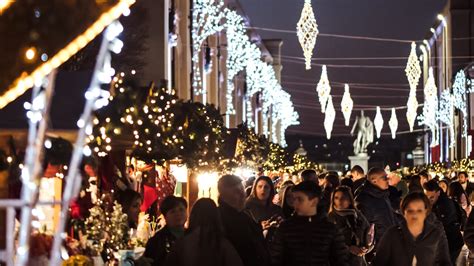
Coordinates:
[347,104]
[378,122]
[307,32]
[413,73]
[329,117]
[459,91]
[430,108]
[393,123]
[207,17]
[323,88]
[446,114]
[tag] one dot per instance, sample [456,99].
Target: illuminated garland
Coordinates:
[446,114]
[459,92]
[430,108]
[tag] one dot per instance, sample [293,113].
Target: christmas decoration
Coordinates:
[430,108]
[413,73]
[446,114]
[378,122]
[393,123]
[307,31]
[346,104]
[329,118]
[459,92]
[323,89]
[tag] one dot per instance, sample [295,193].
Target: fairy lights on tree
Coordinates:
[413,73]
[378,122]
[323,88]
[393,123]
[347,104]
[307,31]
[430,108]
[329,118]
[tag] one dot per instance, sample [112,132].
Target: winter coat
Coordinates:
[398,247]
[445,211]
[469,232]
[245,235]
[192,251]
[303,241]
[158,247]
[355,229]
[357,184]
[259,212]
[375,205]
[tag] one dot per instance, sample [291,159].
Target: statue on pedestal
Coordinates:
[365,133]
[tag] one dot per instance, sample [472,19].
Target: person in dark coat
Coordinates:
[287,202]
[245,235]
[352,224]
[445,210]
[358,176]
[463,179]
[372,199]
[259,205]
[415,241]
[469,235]
[204,242]
[308,238]
[174,210]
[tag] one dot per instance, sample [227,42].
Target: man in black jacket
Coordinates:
[308,238]
[372,199]
[358,176]
[446,212]
[468,187]
[245,235]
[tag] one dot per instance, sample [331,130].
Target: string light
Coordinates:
[329,117]
[307,32]
[324,89]
[378,122]
[446,114]
[346,104]
[459,93]
[413,73]
[393,123]
[430,108]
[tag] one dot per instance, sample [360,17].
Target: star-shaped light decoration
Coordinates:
[307,31]
[323,89]
[347,104]
[329,117]
[413,73]
[393,123]
[378,122]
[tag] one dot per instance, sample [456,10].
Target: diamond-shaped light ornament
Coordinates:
[307,31]
[413,73]
[329,117]
[347,104]
[393,123]
[378,122]
[323,89]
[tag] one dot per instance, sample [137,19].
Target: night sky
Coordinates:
[373,82]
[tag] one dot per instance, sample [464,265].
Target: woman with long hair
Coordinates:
[204,243]
[351,222]
[416,241]
[457,193]
[259,205]
[130,201]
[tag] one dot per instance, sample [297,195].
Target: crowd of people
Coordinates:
[376,218]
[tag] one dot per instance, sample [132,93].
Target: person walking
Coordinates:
[308,238]
[415,241]
[287,203]
[352,223]
[358,176]
[204,242]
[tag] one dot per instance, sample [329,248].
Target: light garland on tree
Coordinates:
[207,16]
[329,118]
[324,89]
[307,31]
[413,73]
[459,92]
[347,104]
[430,108]
[378,122]
[393,123]
[446,114]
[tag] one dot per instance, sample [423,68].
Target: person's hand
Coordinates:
[266,224]
[356,250]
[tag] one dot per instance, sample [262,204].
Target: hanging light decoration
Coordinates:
[307,31]
[446,114]
[329,117]
[393,123]
[413,73]
[459,91]
[430,108]
[323,89]
[347,104]
[378,122]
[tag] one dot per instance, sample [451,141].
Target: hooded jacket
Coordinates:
[375,205]
[398,247]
